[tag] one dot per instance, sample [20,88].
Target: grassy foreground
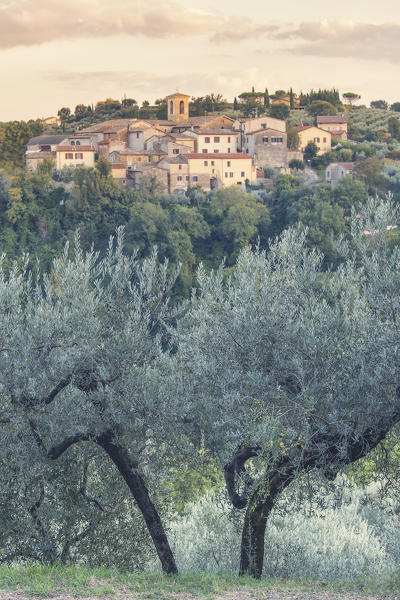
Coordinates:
[83,582]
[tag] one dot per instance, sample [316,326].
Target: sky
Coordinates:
[56,53]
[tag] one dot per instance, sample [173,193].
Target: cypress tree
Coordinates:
[266,98]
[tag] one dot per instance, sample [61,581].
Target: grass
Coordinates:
[45,581]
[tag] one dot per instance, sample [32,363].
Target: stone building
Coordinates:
[215,141]
[320,137]
[138,136]
[178,107]
[75,156]
[268,147]
[148,175]
[177,169]
[41,147]
[171,144]
[133,158]
[336,171]
[335,124]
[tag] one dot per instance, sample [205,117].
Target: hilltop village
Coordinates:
[184,151]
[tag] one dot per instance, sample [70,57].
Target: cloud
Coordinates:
[33,22]
[143,81]
[343,39]
[30,22]
[244,31]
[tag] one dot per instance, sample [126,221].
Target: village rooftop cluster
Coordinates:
[182,151]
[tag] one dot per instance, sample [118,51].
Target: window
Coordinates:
[242,174]
[69,156]
[265,140]
[324,140]
[171,107]
[231,174]
[78,143]
[205,151]
[79,155]
[206,163]
[207,140]
[212,163]
[229,150]
[247,140]
[264,125]
[216,151]
[278,140]
[195,178]
[72,143]
[228,164]
[137,134]
[181,107]
[187,177]
[180,167]
[229,140]
[179,178]
[216,140]
[247,150]
[226,174]
[316,140]
[175,151]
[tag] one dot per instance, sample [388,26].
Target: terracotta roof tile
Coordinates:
[46,140]
[75,148]
[332,119]
[214,155]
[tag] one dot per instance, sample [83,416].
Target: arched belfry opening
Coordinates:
[178,107]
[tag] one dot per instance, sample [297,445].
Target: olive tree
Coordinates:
[292,366]
[78,357]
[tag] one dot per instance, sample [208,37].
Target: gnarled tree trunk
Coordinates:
[134,481]
[258,509]
[120,457]
[262,499]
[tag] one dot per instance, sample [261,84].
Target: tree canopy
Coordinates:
[294,367]
[77,362]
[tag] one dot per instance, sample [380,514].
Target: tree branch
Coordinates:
[36,435]
[236,467]
[63,383]
[56,451]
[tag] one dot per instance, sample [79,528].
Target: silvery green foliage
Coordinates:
[370,119]
[78,349]
[293,359]
[85,514]
[347,534]
[204,538]
[391,172]
[382,148]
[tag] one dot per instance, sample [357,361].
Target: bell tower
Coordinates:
[178,107]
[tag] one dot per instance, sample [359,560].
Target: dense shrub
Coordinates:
[346,533]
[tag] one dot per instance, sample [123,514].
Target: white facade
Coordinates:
[215,142]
